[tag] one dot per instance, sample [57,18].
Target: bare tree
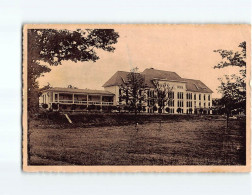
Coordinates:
[163,96]
[132,91]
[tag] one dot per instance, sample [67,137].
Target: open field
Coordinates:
[184,142]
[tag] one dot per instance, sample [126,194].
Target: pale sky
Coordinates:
[184,49]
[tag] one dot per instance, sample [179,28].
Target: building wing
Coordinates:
[196,86]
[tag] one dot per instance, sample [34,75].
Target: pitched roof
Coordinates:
[121,76]
[150,73]
[161,74]
[85,91]
[196,86]
[117,79]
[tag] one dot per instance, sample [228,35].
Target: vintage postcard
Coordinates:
[136,98]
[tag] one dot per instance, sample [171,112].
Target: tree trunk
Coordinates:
[136,119]
[227,120]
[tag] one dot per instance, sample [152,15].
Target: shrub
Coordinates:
[83,107]
[155,108]
[131,109]
[139,108]
[45,106]
[126,108]
[109,108]
[190,110]
[201,110]
[64,107]
[91,107]
[55,106]
[144,109]
[74,106]
[167,109]
[179,110]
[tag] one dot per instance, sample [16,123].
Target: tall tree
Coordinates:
[233,87]
[132,92]
[53,46]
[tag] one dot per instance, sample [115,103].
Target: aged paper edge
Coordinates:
[223,168]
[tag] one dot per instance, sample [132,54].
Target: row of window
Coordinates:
[171,103]
[204,97]
[171,95]
[180,95]
[204,104]
[189,104]
[180,103]
[189,96]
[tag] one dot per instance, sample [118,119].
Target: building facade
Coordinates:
[186,96]
[68,99]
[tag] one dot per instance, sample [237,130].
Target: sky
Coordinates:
[184,49]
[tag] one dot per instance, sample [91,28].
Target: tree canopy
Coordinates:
[233,87]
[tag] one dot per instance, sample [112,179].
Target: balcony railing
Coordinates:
[83,102]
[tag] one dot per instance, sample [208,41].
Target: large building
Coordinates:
[188,95]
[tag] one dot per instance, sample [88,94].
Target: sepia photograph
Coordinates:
[136,98]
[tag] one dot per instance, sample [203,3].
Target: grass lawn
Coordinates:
[185,142]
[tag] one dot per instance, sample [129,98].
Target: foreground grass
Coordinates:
[194,142]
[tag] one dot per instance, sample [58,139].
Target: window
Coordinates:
[189,96]
[180,95]
[204,97]
[194,96]
[189,104]
[204,105]
[180,103]
[56,97]
[171,103]
[171,95]
[208,97]
[208,104]
[199,96]
[180,87]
